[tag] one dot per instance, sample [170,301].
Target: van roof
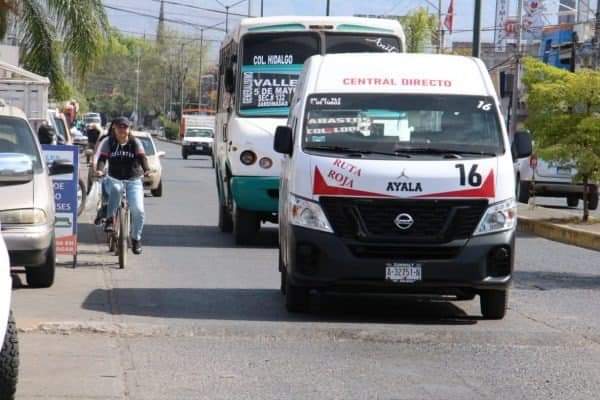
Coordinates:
[10,111]
[399,73]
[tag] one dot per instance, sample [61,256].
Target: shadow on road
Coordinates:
[268,305]
[545,280]
[202,236]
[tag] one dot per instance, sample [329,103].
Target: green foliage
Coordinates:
[564,116]
[420,28]
[79,26]
[171,128]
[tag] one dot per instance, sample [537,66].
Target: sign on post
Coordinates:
[65,198]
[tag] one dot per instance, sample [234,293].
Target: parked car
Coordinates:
[9,353]
[154,180]
[92,118]
[79,138]
[198,140]
[550,179]
[27,198]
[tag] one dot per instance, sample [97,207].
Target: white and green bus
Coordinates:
[260,63]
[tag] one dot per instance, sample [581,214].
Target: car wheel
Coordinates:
[493,303]
[593,201]
[42,276]
[522,190]
[9,361]
[296,298]
[245,226]
[572,201]
[158,191]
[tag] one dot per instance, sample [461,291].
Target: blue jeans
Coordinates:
[135,198]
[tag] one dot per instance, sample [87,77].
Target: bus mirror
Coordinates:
[284,141]
[229,80]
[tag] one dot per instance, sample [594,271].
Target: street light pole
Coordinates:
[597,37]
[514,102]
[328,7]
[200,73]
[440,29]
[477,29]
[226,19]
[137,88]
[182,79]
[262,8]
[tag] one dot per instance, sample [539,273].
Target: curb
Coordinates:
[560,233]
[162,139]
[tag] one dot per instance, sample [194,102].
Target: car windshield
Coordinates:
[402,123]
[16,137]
[200,133]
[148,145]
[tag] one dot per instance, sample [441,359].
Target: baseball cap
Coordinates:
[121,121]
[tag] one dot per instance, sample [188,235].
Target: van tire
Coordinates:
[158,191]
[593,201]
[572,200]
[493,303]
[245,226]
[9,361]
[42,276]
[296,298]
[523,191]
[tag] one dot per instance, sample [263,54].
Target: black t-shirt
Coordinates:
[125,161]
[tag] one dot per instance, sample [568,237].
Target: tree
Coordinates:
[564,117]
[51,28]
[420,29]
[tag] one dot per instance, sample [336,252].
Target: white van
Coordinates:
[397,177]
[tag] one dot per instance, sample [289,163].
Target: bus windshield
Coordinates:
[271,65]
[402,123]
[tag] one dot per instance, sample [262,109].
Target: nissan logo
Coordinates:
[404,221]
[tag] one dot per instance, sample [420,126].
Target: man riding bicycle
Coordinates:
[127,164]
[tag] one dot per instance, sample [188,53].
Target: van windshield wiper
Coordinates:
[357,152]
[446,152]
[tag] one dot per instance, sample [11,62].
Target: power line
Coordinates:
[176,21]
[176,3]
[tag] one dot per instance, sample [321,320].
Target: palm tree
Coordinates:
[51,28]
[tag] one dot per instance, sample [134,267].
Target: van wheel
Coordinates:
[245,225]
[9,361]
[42,276]
[572,201]
[158,191]
[593,201]
[522,191]
[493,303]
[296,298]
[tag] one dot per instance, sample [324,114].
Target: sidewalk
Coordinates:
[560,225]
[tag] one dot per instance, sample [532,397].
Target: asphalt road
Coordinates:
[195,317]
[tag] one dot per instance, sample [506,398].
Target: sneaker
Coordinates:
[108,225]
[136,246]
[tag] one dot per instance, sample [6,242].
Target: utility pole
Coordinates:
[262,8]
[597,37]
[137,89]
[200,69]
[249,8]
[574,40]
[226,19]
[182,79]
[514,109]
[440,29]
[477,29]
[328,8]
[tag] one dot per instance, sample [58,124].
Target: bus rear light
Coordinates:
[248,157]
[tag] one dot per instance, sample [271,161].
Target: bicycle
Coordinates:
[119,240]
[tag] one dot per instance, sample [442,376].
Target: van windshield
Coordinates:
[401,123]
[16,137]
[200,133]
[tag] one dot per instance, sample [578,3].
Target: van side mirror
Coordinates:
[229,80]
[284,141]
[61,167]
[522,145]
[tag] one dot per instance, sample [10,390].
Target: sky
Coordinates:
[136,24]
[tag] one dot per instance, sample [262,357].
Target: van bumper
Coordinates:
[325,261]
[27,245]
[256,193]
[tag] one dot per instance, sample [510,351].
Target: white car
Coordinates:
[197,140]
[153,182]
[9,355]
[550,179]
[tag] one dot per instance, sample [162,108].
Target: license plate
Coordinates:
[199,147]
[563,171]
[403,272]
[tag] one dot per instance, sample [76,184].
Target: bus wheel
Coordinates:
[245,226]
[225,220]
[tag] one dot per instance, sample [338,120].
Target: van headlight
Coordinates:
[29,216]
[307,214]
[498,217]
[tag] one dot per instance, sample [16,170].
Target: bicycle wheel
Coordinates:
[123,237]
